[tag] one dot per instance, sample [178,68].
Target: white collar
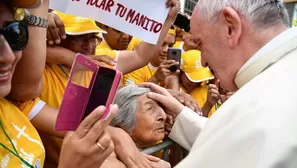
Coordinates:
[152,66]
[275,42]
[182,47]
[270,53]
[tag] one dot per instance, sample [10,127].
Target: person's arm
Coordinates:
[206,109]
[143,54]
[45,121]
[212,98]
[42,116]
[59,55]
[187,127]
[27,78]
[172,82]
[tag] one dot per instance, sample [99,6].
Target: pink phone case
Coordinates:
[76,97]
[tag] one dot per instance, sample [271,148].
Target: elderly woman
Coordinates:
[139,116]
[142,118]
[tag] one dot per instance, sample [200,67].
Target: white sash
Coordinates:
[266,61]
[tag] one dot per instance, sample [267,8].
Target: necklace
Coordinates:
[62,68]
[15,152]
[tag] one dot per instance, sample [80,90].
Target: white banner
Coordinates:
[143,19]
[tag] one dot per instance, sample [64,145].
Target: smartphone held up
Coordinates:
[174,54]
[183,22]
[82,96]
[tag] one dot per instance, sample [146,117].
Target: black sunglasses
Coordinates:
[16,34]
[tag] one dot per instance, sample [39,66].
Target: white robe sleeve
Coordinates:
[187,127]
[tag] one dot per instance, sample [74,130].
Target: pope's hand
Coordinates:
[171,105]
[186,99]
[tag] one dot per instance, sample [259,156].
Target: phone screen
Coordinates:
[101,89]
[182,22]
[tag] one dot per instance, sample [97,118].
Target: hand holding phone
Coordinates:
[174,54]
[89,86]
[163,70]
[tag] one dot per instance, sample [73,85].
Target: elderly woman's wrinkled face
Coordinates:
[8,57]
[150,122]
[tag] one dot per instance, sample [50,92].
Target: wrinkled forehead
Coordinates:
[144,100]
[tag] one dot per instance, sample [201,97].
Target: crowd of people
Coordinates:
[226,104]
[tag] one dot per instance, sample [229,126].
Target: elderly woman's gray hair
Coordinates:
[263,13]
[126,100]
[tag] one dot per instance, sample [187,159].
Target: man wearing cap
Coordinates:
[113,45]
[194,80]
[158,68]
[113,40]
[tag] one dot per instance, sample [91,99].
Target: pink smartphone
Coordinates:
[82,97]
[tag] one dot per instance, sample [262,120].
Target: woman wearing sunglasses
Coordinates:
[20,145]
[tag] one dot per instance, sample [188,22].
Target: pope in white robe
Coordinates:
[257,126]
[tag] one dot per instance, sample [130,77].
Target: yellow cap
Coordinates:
[75,25]
[191,65]
[172,30]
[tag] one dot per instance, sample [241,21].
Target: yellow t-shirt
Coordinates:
[23,135]
[178,44]
[104,49]
[200,95]
[140,75]
[54,85]
[31,108]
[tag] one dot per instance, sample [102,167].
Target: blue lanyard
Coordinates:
[15,152]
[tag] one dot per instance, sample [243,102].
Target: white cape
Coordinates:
[255,128]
